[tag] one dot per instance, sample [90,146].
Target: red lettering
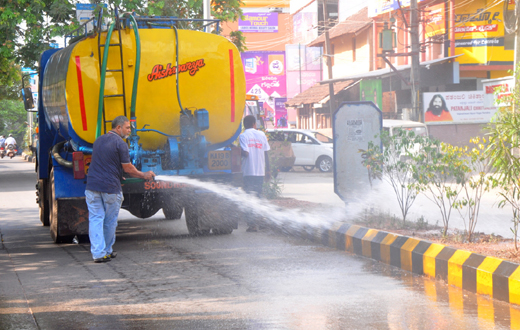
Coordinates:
[159,72]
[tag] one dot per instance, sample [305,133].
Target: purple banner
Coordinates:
[280,113]
[258,22]
[298,82]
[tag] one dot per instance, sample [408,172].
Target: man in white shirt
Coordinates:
[255,160]
[10,140]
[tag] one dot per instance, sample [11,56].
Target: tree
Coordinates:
[12,119]
[28,26]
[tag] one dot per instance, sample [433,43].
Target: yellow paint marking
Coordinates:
[348,237]
[365,242]
[455,267]
[486,313]
[514,313]
[332,233]
[406,253]
[485,275]
[514,287]
[429,259]
[385,247]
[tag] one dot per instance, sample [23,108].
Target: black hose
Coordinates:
[56,154]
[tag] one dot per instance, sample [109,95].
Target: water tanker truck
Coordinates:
[183,91]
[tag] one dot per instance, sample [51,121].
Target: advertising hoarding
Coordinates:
[303,68]
[281,120]
[265,78]
[456,108]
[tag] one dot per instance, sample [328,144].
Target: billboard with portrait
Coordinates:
[456,108]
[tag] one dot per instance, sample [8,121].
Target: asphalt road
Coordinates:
[164,279]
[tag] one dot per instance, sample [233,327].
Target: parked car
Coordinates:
[420,129]
[390,125]
[311,148]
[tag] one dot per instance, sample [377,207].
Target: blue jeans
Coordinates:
[103,210]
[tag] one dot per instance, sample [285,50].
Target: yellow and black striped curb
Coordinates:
[496,278]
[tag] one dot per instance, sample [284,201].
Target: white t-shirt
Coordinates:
[10,140]
[254,142]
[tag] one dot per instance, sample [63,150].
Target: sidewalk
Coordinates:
[319,188]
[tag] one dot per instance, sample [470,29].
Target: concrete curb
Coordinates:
[28,158]
[496,278]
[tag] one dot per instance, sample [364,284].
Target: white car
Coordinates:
[390,125]
[311,149]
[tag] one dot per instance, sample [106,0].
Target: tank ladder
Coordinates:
[104,70]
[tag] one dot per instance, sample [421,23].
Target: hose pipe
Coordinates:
[57,156]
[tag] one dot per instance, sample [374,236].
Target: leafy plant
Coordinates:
[502,150]
[393,164]
[475,183]
[439,170]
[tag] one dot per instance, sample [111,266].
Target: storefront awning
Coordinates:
[383,73]
[317,94]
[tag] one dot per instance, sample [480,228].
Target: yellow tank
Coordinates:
[211,76]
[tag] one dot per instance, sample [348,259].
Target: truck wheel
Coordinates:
[222,231]
[54,218]
[172,212]
[324,164]
[192,222]
[308,168]
[43,201]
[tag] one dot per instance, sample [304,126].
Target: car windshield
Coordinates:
[322,138]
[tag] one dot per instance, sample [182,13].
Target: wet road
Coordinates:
[164,279]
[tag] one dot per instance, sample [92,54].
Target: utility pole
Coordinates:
[206,11]
[517,38]
[328,57]
[416,64]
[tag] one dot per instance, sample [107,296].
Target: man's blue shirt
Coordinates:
[105,171]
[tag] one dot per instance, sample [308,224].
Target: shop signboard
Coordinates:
[480,34]
[435,20]
[456,108]
[258,22]
[371,90]
[378,7]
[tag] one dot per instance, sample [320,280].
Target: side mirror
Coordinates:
[28,100]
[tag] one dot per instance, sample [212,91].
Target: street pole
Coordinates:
[206,10]
[416,64]
[328,57]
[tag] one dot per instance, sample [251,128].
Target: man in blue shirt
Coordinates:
[110,158]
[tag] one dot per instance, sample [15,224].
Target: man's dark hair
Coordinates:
[443,107]
[249,121]
[119,120]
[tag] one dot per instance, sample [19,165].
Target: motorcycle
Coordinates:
[11,151]
[2,152]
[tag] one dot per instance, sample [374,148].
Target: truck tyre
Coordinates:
[222,231]
[43,202]
[324,164]
[192,222]
[54,218]
[172,212]
[308,168]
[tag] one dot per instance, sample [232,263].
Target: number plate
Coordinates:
[219,160]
